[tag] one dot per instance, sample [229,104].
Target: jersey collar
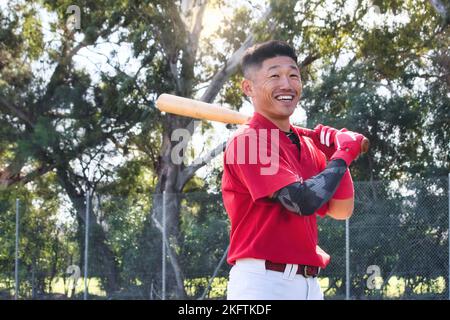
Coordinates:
[259,120]
[263,121]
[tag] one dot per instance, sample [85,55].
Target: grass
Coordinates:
[94,287]
[60,289]
[395,288]
[195,287]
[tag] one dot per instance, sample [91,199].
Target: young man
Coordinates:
[275,182]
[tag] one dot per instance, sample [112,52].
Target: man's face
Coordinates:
[275,87]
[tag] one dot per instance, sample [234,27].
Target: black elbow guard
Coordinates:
[297,198]
[306,198]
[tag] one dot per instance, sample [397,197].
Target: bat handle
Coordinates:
[365,144]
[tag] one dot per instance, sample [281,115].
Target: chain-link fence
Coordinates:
[395,246]
[397,242]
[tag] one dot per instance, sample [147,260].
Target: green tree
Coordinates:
[389,82]
[60,120]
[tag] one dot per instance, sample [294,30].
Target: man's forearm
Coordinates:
[307,197]
[341,205]
[340,209]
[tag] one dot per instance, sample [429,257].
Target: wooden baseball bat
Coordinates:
[207,111]
[198,109]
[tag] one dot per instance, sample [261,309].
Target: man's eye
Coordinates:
[294,75]
[274,76]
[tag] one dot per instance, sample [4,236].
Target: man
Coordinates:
[275,182]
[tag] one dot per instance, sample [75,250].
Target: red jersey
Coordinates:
[259,160]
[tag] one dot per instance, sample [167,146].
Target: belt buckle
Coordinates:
[305,272]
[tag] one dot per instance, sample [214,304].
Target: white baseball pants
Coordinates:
[249,280]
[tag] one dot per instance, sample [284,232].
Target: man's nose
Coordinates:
[284,83]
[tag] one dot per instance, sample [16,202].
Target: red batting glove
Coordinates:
[348,145]
[324,139]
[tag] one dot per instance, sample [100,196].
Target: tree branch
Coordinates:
[37,173]
[67,53]
[8,178]
[189,171]
[308,60]
[21,114]
[172,255]
[11,174]
[230,67]
[379,84]
[440,8]
[232,64]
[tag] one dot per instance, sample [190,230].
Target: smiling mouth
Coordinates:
[284,97]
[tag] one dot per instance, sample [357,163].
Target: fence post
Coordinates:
[448,196]
[163,295]
[16,260]
[86,245]
[347,259]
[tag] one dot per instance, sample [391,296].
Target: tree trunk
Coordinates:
[33,279]
[167,183]
[55,258]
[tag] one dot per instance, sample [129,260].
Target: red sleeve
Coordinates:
[345,189]
[260,171]
[323,210]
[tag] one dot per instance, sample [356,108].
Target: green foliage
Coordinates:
[46,244]
[232,93]
[390,83]
[205,231]
[32,31]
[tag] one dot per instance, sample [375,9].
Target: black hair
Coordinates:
[255,55]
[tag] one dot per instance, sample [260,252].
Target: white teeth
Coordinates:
[285,97]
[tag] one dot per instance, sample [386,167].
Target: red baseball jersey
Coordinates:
[259,160]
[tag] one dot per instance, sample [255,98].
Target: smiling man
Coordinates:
[273,240]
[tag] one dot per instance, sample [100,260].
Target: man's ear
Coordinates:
[247,87]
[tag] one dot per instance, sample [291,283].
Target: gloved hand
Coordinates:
[348,145]
[324,139]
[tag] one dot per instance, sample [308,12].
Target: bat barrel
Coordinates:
[198,109]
